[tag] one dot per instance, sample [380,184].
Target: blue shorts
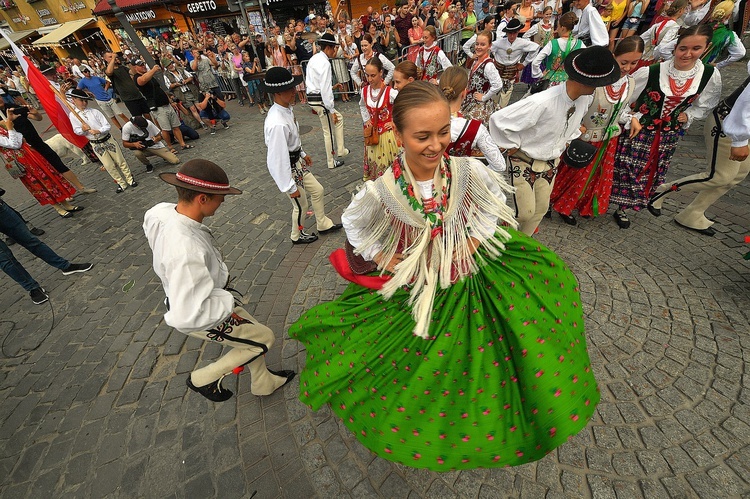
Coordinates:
[631,23]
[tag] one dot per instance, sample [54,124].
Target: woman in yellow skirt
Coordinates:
[376,107]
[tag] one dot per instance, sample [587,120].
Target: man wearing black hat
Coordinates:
[195,279]
[286,160]
[92,124]
[536,130]
[319,84]
[510,54]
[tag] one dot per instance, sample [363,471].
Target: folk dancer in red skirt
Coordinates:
[536,130]
[587,189]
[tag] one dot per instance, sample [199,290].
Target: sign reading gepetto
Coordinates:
[205,6]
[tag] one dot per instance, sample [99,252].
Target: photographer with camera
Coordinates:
[158,102]
[125,86]
[145,140]
[211,107]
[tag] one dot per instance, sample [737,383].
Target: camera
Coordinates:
[20,111]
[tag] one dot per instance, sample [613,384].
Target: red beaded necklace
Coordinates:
[679,90]
[615,95]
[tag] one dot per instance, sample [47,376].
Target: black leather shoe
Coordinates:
[134,184]
[653,210]
[708,231]
[622,219]
[336,163]
[568,219]
[333,228]
[212,391]
[306,238]
[36,231]
[289,375]
[119,190]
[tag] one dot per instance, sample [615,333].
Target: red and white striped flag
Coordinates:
[56,110]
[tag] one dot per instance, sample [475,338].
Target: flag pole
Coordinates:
[64,99]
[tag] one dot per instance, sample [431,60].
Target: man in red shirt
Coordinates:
[403,21]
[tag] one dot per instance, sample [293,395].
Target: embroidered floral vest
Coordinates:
[478,81]
[462,145]
[381,114]
[652,100]
[428,62]
[555,66]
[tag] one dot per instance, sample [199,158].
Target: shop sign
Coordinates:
[205,6]
[73,7]
[49,21]
[43,12]
[21,19]
[139,17]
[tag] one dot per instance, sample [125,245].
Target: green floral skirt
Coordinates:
[505,379]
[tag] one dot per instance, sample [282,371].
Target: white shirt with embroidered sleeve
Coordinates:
[496,83]
[14,140]
[483,141]
[591,24]
[659,36]
[94,118]
[281,134]
[190,268]
[518,50]
[542,124]
[469,45]
[737,123]
[319,79]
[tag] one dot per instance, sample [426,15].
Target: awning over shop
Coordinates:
[61,33]
[14,37]
[102,7]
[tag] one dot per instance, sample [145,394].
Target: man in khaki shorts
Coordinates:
[97,87]
[145,140]
[158,102]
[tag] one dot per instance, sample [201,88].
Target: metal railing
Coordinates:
[449,43]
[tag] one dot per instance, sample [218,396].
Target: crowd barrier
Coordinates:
[450,43]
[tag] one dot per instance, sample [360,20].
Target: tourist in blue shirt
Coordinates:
[97,87]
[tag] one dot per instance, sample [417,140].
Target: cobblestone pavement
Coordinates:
[96,406]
